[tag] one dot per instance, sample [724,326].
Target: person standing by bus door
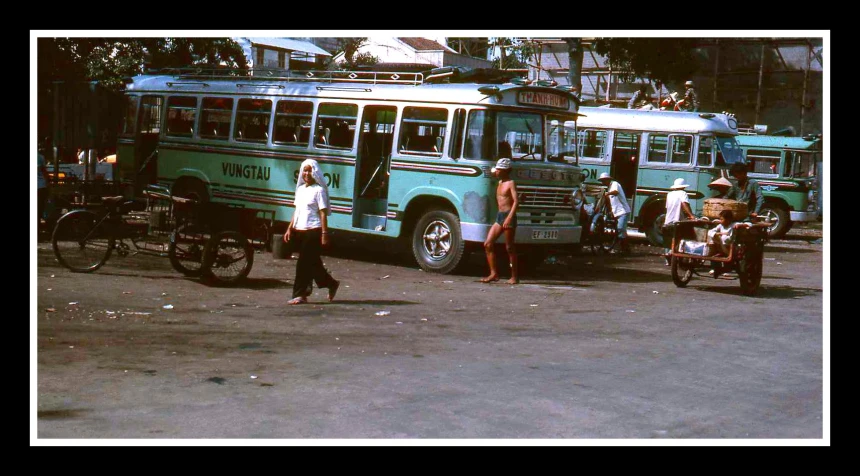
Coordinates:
[620,210]
[308,231]
[506,220]
[677,201]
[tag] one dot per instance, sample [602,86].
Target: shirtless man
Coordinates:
[506,220]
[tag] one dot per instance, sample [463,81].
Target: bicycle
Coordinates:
[603,235]
[201,238]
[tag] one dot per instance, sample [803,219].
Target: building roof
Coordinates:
[288,44]
[422,44]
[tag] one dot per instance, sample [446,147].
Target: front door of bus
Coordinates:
[625,163]
[372,166]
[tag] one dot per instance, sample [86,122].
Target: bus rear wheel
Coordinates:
[437,243]
[654,230]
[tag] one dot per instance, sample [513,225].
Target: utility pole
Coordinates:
[758,94]
[805,82]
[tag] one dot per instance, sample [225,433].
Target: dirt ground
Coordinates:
[586,347]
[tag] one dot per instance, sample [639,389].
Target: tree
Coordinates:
[658,59]
[351,57]
[109,60]
[513,53]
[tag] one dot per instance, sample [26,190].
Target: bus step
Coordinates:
[373,222]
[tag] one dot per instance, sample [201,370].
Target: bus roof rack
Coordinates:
[368,77]
[462,74]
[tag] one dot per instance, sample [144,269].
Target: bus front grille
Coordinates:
[544,197]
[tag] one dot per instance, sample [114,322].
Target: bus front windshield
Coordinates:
[561,138]
[728,151]
[492,135]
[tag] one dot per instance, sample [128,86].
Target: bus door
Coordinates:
[372,167]
[625,162]
[146,141]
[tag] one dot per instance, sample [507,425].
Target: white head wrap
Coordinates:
[318,178]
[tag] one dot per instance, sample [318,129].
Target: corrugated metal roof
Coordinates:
[292,45]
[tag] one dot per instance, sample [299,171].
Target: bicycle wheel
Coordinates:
[81,243]
[185,250]
[227,257]
[604,236]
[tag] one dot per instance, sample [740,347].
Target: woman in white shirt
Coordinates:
[308,232]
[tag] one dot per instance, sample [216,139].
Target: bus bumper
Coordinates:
[526,234]
[803,216]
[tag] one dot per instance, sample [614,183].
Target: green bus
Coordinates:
[645,151]
[404,156]
[788,169]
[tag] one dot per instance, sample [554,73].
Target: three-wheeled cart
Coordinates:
[690,254]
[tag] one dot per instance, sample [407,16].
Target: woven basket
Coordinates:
[713,207]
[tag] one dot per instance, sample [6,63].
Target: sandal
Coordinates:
[298,300]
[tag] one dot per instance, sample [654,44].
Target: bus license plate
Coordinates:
[545,235]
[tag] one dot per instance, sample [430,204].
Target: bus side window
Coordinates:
[423,131]
[252,120]
[706,152]
[150,115]
[459,122]
[130,115]
[657,148]
[215,118]
[763,161]
[181,112]
[474,135]
[293,123]
[336,125]
[592,143]
[682,148]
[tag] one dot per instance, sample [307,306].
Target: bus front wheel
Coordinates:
[779,218]
[437,242]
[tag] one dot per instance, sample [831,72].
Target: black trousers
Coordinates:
[310,266]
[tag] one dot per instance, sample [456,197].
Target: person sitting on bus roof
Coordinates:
[690,97]
[640,98]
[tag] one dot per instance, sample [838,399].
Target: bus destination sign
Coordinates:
[545,99]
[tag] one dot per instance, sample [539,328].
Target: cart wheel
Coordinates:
[185,250]
[682,271]
[750,270]
[227,257]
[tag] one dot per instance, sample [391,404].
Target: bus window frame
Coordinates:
[136,98]
[228,137]
[607,139]
[195,128]
[294,145]
[670,151]
[235,121]
[779,156]
[420,153]
[698,146]
[359,109]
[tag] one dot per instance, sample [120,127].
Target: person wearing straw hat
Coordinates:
[677,201]
[620,209]
[720,186]
[308,231]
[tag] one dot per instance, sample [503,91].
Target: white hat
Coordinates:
[679,184]
[604,175]
[502,164]
[688,83]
